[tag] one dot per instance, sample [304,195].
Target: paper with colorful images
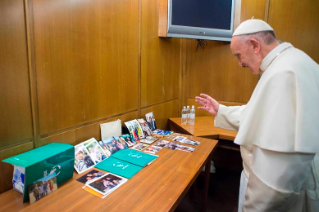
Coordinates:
[119,167]
[185,148]
[90,176]
[95,150]
[148,140]
[161,143]
[133,131]
[179,138]
[171,145]
[128,140]
[146,129]
[191,142]
[82,160]
[111,144]
[120,143]
[151,120]
[106,184]
[153,149]
[139,129]
[18,178]
[140,146]
[42,187]
[135,157]
[162,132]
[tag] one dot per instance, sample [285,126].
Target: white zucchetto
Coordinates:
[252,26]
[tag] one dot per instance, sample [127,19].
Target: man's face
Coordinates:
[246,54]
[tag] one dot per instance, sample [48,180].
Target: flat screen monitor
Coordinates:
[201,19]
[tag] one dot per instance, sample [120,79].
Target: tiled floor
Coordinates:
[223,187]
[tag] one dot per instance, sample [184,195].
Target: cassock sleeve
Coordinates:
[277,181]
[228,117]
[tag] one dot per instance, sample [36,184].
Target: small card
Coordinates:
[140,146]
[90,176]
[179,138]
[171,145]
[185,148]
[153,149]
[42,187]
[161,143]
[191,142]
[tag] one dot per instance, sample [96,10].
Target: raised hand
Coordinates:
[208,103]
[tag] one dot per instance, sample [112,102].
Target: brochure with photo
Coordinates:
[179,138]
[162,132]
[140,146]
[148,140]
[42,187]
[82,160]
[137,126]
[133,131]
[191,142]
[119,167]
[146,129]
[18,178]
[90,176]
[128,140]
[151,120]
[106,184]
[95,150]
[153,149]
[111,144]
[171,145]
[161,143]
[135,157]
[120,143]
[185,148]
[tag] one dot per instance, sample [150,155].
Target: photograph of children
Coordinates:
[96,152]
[151,120]
[179,138]
[161,143]
[110,144]
[171,145]
[191,142]
[146,129]
[127,139]
[107,183]
[106,150]
[90,176]
[82,160]
[120,144]
[152,149]
[133,131]
[140,146]
[42,187]
[148,140]
[185,148]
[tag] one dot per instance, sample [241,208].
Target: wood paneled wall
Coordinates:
[67,66]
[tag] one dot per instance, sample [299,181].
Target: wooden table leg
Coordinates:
[206,184]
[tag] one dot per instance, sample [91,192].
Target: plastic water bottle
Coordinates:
[187,112]
[192,115]
[184,115]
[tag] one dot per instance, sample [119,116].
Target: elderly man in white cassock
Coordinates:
[278,129]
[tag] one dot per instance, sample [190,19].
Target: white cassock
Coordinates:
[278,134]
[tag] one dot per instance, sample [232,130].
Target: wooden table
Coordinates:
[158,187]
[204,127]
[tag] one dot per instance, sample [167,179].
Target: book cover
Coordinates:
[135,157]
[119,167]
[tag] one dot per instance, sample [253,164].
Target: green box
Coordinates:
[40,162]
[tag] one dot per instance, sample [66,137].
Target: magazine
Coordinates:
[135,130]
[128,140]
[151,120]
[95,150]
[146,129]
[161,143]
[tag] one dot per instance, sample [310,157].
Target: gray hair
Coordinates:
[268,37]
